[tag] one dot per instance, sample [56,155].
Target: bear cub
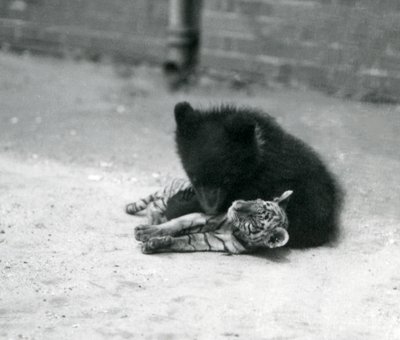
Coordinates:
[232,153]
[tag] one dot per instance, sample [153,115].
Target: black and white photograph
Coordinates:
[200,169]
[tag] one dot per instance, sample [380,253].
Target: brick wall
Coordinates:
[133,29]
[350,47]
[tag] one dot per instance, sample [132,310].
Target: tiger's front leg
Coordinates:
[183,224]
[211,241]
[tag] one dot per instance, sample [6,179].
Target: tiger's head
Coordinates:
[261,224]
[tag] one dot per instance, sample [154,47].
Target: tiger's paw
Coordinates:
[145,232]
[155,244]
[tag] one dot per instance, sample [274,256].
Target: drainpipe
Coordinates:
[183,41]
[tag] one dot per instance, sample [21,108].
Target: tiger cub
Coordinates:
[247,226]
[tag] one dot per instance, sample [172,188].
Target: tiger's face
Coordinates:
[261,223]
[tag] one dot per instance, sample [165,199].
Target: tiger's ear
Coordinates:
[277,238]
[283,200]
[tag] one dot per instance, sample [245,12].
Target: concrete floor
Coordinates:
[79,140]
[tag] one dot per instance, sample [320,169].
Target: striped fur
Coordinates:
[247,226]
[156,203]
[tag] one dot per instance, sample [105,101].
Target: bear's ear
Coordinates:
[240,129]
[184,113]
[186,119]
[283,200]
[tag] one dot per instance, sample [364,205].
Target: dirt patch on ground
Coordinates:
[79,141]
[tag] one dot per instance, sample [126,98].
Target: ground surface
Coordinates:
[78,141]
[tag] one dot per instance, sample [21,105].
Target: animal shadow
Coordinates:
[278,255]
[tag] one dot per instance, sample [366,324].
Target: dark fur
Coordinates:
[247,155]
